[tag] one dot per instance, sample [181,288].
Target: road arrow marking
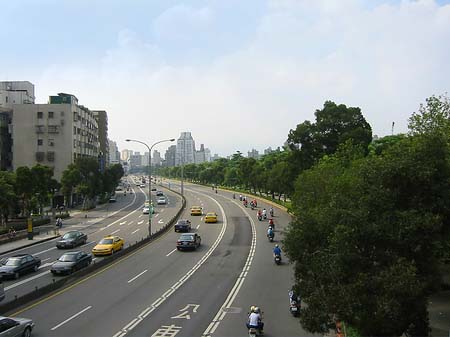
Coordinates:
[161,221]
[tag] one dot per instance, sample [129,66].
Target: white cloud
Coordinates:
[385,59]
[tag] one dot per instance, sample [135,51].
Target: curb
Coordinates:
[29,244]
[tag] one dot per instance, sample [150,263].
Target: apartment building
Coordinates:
[53,134]
[102,121]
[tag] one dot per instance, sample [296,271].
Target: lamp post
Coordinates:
[150,176]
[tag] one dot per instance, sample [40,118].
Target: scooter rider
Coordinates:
[270,232]
[276,251]
[255,319]
[264,213]
[271,211]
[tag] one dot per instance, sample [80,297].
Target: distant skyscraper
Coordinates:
[268,150]
[114,154]
[185,149]
[253,154]
[170,156]
[156,159]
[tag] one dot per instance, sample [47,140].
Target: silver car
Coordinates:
[15,327]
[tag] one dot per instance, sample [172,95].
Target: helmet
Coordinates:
[276,246]
[252,308]
[257,309]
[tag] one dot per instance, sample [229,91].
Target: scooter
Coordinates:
[252,207]
[271,223]
[260,217]
[271,237]
[294,308]
[277,259]
[253,332]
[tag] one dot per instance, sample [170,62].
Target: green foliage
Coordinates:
[365,234]
[432,118]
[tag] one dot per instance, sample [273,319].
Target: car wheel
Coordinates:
[36,268]
[112,251]
[27,332]
[16,275]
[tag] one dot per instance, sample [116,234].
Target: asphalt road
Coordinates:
[159,291]
[123,218]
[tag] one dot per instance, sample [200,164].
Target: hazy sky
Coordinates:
[236,73]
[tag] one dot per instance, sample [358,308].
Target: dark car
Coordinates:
[15,326]
[159,193]
[17,265]
[183,225]
[70,262]
[72,239]
[153,188]
[189,241]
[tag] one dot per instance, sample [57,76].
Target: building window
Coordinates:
[51,142]
[62,113]
[6,98]
[51,156]
[74,144]
[40,142]
[40,114]
[53,129]
[40,128]
[40,156]
[50,114]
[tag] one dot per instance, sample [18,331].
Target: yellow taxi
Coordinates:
[108,245]
[210,217]
[196,210]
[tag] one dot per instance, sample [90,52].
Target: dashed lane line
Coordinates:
[173,251]
[134,278]
[71,318]
[135,231]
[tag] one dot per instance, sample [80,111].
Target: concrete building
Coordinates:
[170,156]
[135,160]
[126,154]
[144,159]
[203,155]
[268,150]
[53,134]
[5,139]
[185,149]
[253,154]
[215,157]
[102,121]
[16,92]
[156,159]
[114,154]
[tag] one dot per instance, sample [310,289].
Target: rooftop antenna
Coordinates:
[392,130]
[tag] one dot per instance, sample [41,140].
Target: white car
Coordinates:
[161,201]
[146,210]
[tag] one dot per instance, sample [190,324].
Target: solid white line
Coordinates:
[71,318]
[135,231]
[118,230]
[26,280]
[129,281]
[45,251]
[171,252]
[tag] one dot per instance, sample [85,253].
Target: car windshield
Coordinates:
[13,261]
[210,214]
[68,258]
[106,241]
[69,235]
[187,237]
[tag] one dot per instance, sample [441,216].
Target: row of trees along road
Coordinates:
[31,189]
[371,218]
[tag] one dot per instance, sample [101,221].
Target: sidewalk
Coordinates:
[22,243]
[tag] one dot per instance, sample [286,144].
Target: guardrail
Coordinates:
[59,283]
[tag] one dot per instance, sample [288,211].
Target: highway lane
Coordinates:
[126,288]
[128,223]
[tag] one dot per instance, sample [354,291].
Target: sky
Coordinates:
[236,74]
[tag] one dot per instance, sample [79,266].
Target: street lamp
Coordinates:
[150,175]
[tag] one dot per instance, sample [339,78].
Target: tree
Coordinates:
[365,235]
[433,117]
[335,124]
[24,188]
[7,195]
[42,184]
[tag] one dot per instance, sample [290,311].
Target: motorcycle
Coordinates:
[277,259]
[260,217]
[271,237]
[265,216]
[253,332]
[271,213]
[294,308]
[252,207]
[271,223]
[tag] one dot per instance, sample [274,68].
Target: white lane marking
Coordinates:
[130,223]
[237,286]
[122,223]
[156,215]
[129,281]
[71,318]
[140,216]
[140,222]
[198,226]
[162,210]
[161,221]
[45,251]
[135,231]
[46,259]
[89,243]
[147,311]
[171,252]
[26,280]
[118,230]
[45,265]
[201,219]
